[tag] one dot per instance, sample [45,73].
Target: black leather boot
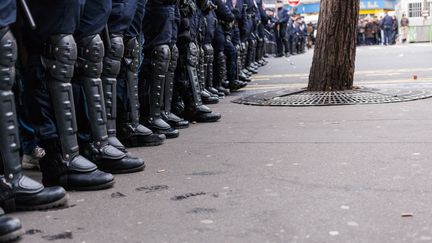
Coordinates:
[236,85]
[10,228]
[243,77]
[208,98]
[76,174]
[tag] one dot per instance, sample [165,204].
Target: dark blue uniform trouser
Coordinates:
[219,40]
[280,35]
[159,28]
[231,55]
[52,17]
[7,12]
[93,20]
[133,31]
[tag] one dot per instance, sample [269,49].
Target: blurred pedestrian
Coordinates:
[404,28]
[387,26]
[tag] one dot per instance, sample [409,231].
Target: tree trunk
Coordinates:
[334,56]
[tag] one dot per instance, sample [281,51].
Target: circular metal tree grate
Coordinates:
[360,95]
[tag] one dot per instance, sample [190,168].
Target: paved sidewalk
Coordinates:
[268,174]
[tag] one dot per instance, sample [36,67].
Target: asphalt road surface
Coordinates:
[275,174]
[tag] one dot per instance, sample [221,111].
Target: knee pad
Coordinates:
[90,56]
[160,59]
[131,54]
[59,57]
[113,56]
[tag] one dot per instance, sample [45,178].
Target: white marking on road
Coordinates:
[333,233]
[207,221]
[345,207]
[353,224]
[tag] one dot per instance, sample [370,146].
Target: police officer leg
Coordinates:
[220,72]
[241,75]
[250,58]
[194,108]
[29,194]
[131,133]
[154,74]
[167,115]
[66,166]
[231,64]
[254,52]
[244,50]
[107,157]
[206,96]
[209,58]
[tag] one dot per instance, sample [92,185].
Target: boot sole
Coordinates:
[211,102]
[92,188]
[134,144]
[12,236]
[170,136]
[127,171]
[207,120]
[180,127]
[57,204]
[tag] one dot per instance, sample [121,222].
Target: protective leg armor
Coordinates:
[131,132]
[209,58]
[167,115]
[106,156]
[25,193]
[206,96]
[195,110]
[220,73]
[59,56]
[241,75]
[110,71]
[89,69]
[159,68]
[9,137]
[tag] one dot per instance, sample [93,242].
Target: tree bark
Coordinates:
[334,56]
